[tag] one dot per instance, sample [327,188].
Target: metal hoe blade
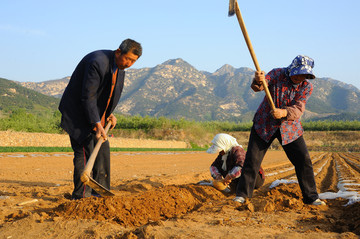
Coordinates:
[99,188]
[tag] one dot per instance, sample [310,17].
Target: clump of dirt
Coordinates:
[285,197]
[335,216]
[16,216]
[349,219]
[140,209]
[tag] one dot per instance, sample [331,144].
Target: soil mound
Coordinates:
[140,209]
[174,201]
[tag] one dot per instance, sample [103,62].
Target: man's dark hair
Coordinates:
[130,45]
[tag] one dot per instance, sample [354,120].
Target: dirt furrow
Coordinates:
[351,162]
[326,179]
[353,156]
[348,173]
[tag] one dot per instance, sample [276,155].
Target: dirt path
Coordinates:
[157,197]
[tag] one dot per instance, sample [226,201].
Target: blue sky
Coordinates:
[44,40]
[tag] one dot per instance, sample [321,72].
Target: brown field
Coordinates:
[21,139]
[156,196]
[341,141]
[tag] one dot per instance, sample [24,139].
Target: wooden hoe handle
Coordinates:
[90,163]
[252,53]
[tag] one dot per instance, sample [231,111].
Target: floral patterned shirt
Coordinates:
[235,161]
[286,95]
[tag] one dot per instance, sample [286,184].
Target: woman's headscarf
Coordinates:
[222,142]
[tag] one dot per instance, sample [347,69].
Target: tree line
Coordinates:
[49,122]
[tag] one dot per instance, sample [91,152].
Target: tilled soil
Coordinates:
[157,196]
[26,139]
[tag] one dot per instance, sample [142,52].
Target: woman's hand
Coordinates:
[219,177]
[227,179]
[279,113]
[259,77]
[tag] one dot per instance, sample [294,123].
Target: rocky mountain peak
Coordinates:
[175,89]
[177,62]
[225,69]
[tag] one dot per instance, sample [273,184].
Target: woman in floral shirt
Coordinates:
[290,90]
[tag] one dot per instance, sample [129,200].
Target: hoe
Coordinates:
[85,176]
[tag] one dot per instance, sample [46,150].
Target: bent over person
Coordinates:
[290,90]
[229,162]
[89,99]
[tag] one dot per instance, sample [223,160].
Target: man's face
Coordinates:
[297,79]
[126,60]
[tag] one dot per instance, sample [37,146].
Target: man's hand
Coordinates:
[279,113]
[100,131]
[259,77]
[113,120]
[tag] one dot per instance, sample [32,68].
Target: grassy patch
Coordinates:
[68,149]
[154,149]
[34,149]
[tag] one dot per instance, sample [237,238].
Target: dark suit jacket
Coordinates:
[85,98]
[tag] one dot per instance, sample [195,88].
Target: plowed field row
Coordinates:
[334,172]
[156,196]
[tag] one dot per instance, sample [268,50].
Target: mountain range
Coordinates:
[14,96]
[176,89]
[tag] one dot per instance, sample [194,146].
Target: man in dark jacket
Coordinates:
[89,99]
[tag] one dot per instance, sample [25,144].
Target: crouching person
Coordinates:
[228,164]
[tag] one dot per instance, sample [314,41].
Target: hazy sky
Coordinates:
[44,40]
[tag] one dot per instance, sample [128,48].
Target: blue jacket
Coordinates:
[85,97]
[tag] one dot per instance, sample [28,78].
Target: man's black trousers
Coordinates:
[101,169]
